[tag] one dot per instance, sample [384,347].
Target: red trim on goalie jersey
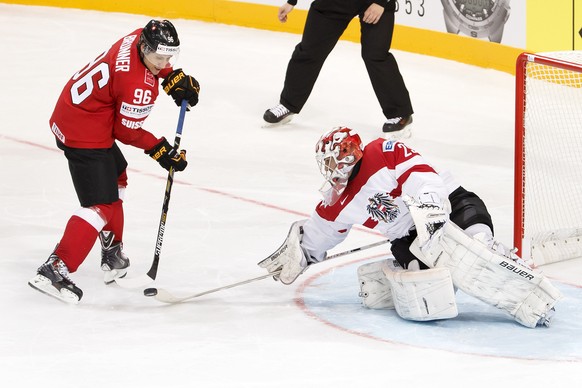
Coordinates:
[385,167]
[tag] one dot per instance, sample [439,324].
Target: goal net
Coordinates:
[548,157]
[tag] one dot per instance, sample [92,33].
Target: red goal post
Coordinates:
[548,156]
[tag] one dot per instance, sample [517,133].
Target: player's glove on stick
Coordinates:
[180,87]
[167,156]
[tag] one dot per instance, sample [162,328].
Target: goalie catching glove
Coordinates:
[168,156]
[180,87]
[290,260]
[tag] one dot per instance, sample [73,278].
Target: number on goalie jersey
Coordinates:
[107,100]
[368,186]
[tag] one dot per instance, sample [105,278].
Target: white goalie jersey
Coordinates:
[388,171]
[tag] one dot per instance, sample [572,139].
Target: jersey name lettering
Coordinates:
[122,62]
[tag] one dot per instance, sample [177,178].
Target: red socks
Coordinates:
[76,243]
[79,236]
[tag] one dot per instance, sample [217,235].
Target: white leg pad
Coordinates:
[423,295]
[525,294]
[375,289]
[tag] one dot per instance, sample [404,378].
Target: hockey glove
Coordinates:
[180,87]
[429,215]
[167,156]
[290,260]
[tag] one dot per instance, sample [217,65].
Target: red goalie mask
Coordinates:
[336,153]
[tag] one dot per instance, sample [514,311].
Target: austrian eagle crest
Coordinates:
[382,208]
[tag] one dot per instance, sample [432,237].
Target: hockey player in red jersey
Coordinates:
[106,101]
[441,234]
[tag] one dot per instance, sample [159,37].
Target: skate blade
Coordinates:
[110,276]
[280,123]
[405,133]
[45,286]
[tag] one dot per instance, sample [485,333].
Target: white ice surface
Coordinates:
[232,207]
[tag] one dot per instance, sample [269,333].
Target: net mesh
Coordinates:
[552,156]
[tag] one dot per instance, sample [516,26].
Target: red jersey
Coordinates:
[109,99]
[388,170]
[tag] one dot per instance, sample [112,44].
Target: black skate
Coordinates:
[278,115]
[52,278]
[113,260]
[397,128]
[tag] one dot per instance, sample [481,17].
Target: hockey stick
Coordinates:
[144,280]
[163,295]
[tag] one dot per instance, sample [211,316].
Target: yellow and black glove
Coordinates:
[167,156]
[180,87]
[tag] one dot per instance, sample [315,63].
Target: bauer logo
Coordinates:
[517,270]
[135,111]
[388,146]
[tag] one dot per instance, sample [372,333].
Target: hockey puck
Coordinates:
[150,291]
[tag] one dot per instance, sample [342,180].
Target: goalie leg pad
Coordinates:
[526,295]
[425,295]
[375,289]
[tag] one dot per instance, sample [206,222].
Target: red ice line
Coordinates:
[181,182]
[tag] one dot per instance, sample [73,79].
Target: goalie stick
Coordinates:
[150,276]
[165,296]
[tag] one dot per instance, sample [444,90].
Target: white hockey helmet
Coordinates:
[337,152]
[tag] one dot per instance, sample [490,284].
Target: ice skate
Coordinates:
[278,115]
[397,128]
[114,263]
[52,278]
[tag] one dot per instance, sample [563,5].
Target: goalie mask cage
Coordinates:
[548,157]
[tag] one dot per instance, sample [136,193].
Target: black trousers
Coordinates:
[326,21]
